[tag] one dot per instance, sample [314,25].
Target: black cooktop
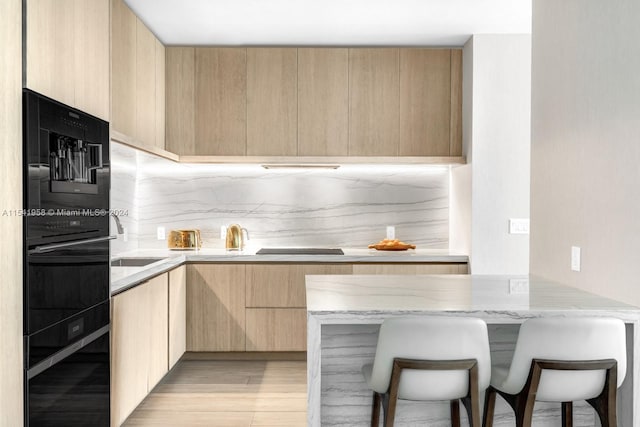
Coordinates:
[300,251]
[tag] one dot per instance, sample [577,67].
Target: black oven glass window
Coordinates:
[73,160]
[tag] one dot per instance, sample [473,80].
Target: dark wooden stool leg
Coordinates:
[567,414]
[605,404]
[385,411]
[375,410]
[472,405]
[455,413]
[489,407]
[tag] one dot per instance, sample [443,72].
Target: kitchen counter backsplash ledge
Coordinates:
[123,278]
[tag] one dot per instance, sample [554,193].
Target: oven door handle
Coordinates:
[66,352]
[55,246]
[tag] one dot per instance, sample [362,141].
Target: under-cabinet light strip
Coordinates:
[299,166]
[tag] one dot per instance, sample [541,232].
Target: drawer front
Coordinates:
[272,285]
[276,329]
[215,307]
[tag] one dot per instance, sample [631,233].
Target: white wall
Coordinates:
[496,134]
[10,225]
[585,166]
[460,182]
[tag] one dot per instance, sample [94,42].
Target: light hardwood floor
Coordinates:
[227,393]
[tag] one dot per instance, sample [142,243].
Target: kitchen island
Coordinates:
[344,313]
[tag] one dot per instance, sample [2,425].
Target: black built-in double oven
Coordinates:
[66,265]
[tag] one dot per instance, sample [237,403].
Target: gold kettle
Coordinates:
[235,237]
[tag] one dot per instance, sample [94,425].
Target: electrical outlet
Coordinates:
[518,286]
[223,232]
[519,226]
[391,232]
[160,234]
[575,258]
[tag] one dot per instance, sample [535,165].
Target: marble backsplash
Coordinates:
[347,207]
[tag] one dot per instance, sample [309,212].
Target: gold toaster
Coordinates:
[184,239]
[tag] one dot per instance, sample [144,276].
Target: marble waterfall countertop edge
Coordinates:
[344,311]
[123,278]
[359,296]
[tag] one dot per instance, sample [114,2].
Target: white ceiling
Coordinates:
[330,22]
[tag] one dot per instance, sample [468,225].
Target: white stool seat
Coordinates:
[412,387]
[562,360]
[574,339]
[445,358]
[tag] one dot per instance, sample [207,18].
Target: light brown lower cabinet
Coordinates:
[262,307]
[177,314]
[158,331]
[276,315]
[215,307]
[283,285]
[139,336]
[276,329]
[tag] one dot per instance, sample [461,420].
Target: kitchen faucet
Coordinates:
[119,226]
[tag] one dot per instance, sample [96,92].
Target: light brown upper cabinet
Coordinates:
[145,85]
[220,101]
[272,101]
[369,102]
[138,79]
[92,87]
[67,52]
[430,102]
[206,101]
[180,93]
[425,102]
[160,95]
[373,94]
[123,65]
[455,130]
[323,102]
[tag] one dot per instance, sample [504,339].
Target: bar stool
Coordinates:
[430,358]
[562,360]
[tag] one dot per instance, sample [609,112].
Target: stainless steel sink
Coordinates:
[133,262]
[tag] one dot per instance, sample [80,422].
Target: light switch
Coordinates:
[575,258]
[519,226]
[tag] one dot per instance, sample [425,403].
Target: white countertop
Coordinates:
[360,295]
[343,311]
[125,277]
